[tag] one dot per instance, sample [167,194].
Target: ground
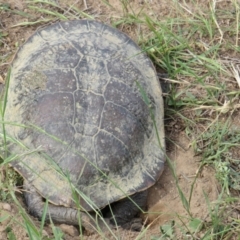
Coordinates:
[197,181]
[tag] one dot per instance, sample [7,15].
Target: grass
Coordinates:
[197,46]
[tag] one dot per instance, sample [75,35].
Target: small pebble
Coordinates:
[7,207]
[70,230]
[235,215]
[1,79]
[45,233]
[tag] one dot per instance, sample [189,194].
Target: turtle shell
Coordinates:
[82,110]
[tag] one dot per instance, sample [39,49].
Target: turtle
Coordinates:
[84,119]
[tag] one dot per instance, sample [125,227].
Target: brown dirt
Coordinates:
[164,202]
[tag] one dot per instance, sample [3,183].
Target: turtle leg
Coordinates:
[124,212]
[59,214]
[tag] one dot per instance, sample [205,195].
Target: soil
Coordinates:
[164,203]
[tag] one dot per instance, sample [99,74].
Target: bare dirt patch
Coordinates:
[11,223]
[165,194]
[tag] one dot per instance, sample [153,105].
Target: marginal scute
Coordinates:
[77,98]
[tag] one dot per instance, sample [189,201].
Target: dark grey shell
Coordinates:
[78,117]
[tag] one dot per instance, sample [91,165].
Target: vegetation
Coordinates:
[197,46]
